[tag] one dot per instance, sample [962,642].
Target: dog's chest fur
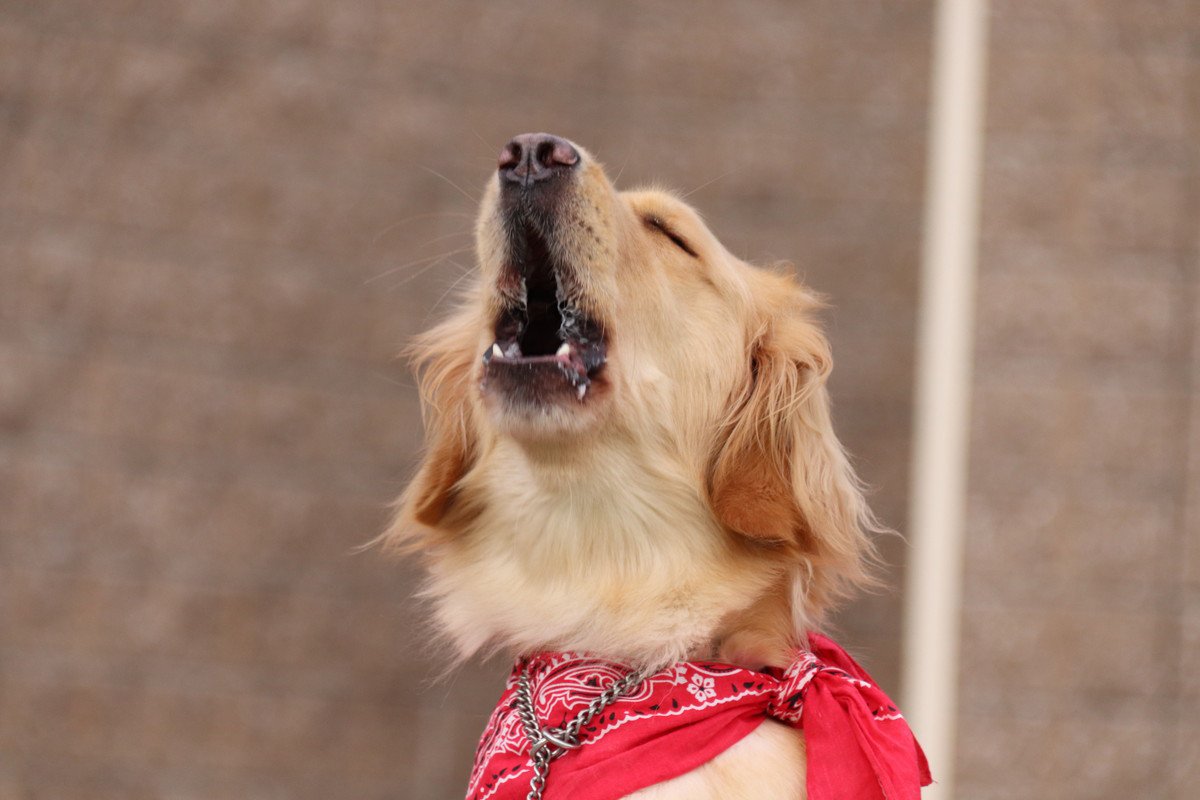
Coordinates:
[587,557]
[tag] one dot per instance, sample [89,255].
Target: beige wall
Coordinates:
[219,220]
[1082,584]
[212,220]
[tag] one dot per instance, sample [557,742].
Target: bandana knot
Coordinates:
[787,701]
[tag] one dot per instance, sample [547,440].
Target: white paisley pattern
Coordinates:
[563,684]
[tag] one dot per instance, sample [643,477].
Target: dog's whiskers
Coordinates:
[621,171]
[462,191]
[484,142]
[435,259]
[705,184]
[466,273]
[444,237]
[425,215]
[444,260]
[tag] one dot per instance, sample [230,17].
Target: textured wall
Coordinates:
[1082,615]
[219,220]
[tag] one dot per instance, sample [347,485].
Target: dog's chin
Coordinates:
[543,398]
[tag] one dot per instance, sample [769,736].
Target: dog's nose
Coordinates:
[533,157]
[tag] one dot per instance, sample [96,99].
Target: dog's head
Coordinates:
[612,352]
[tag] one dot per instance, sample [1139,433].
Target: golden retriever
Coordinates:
[629,448]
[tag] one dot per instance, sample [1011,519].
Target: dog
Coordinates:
[630,452]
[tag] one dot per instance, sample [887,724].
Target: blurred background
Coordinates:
[220,220]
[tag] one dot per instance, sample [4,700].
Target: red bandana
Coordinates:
[859,746]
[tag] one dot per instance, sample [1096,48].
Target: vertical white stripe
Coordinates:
[942,403]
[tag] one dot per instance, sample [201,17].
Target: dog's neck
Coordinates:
[606,551]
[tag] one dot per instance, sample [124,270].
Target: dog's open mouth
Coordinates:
[545,342]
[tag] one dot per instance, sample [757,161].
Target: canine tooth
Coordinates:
[563,350]
[581,390]
[496,351]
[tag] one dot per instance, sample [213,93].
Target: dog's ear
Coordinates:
[779,473]
[444,358]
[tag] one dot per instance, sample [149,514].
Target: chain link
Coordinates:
[547,744]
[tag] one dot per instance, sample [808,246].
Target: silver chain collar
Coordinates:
[547,744]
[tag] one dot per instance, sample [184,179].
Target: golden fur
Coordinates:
[697,504]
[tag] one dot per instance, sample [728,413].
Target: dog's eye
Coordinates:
[660,226]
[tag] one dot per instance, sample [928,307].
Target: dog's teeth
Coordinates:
[496,351]
[581,390]
[563,350]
